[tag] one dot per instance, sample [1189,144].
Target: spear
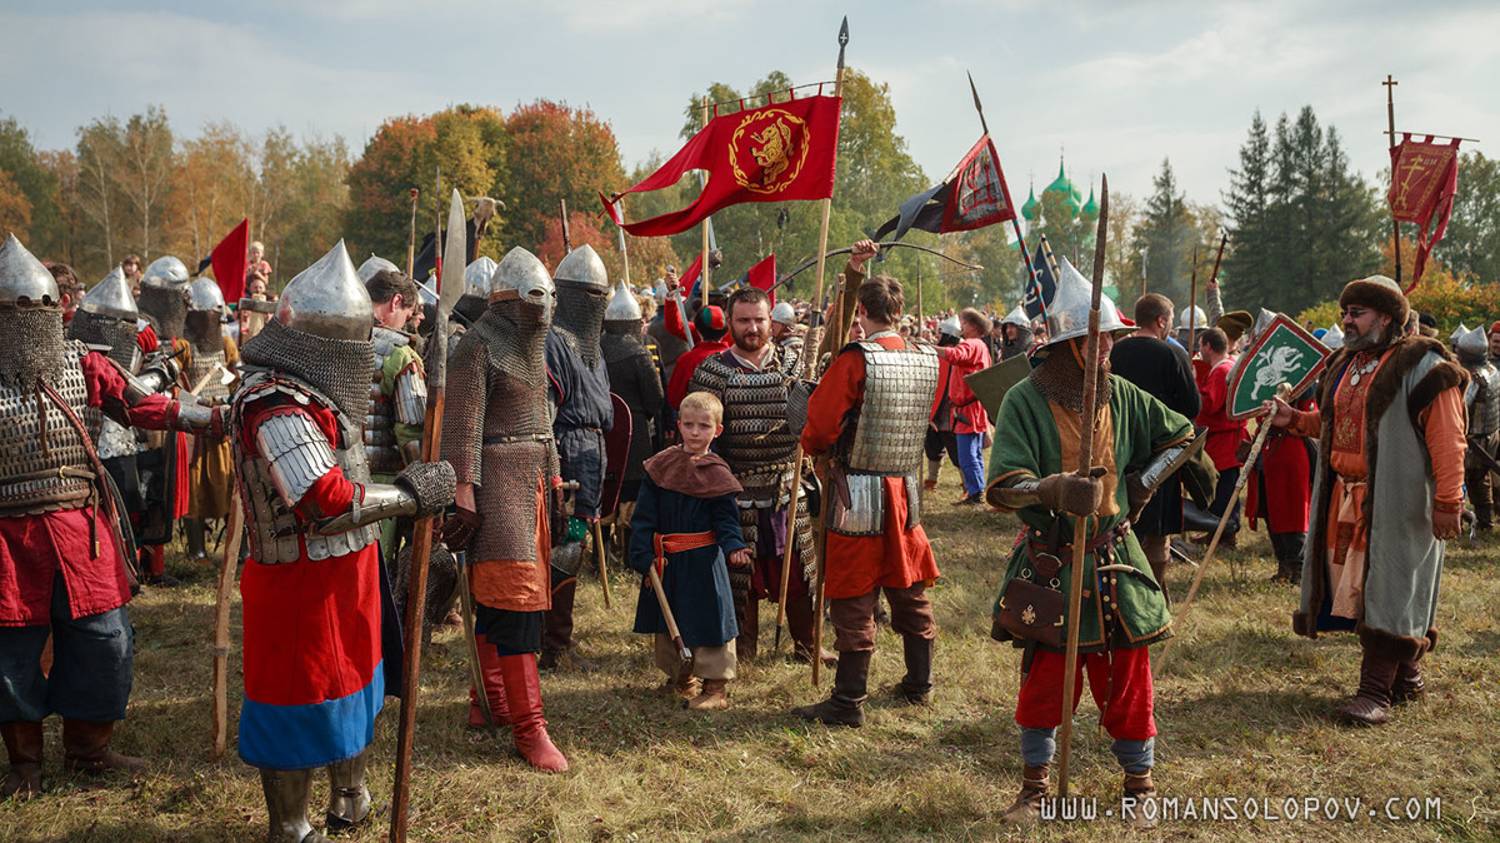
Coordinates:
[1090,427]
[562,214]
[233,530]
[450,287]
[1015,220]
[1193,306]
[411,239]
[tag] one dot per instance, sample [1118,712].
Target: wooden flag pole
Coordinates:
[1015,219]
[703,265]
[1089,428]
[1390,84]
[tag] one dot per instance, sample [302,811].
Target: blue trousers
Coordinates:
[971,462]
[92,665]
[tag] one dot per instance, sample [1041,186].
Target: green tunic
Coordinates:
[1027,445]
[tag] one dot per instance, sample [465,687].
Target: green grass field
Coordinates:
[1243,710]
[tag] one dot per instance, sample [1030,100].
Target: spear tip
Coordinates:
[844,31]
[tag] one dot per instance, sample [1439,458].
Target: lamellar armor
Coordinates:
[884,437]
[497,424]
[406,403]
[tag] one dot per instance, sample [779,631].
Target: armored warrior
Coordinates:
[163,461]
[751,379]
[1015,333]
[867,419]
[312,588]
[477,275]
[634,377]
[784,328]
[580,383]
[1033,473]
[1379,528]
[1483,401]
[398,390]
[209,359]
[63,567]
[498,435]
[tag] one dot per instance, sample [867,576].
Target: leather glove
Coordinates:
[1072,494]
[431,483]
[459,528]
[1137,493]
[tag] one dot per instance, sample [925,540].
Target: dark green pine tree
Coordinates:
[1249,270]
[1165,232]
[1349,225]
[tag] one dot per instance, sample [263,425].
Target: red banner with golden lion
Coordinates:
[776,153]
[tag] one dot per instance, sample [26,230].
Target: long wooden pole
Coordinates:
[1090,428]
[233,529]
[1390,84]
[809,362]
[411,239]
[703,266]
[1193,306]
[666,612]
[1015,219]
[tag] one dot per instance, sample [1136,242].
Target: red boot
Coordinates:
[523,695]
[494,687]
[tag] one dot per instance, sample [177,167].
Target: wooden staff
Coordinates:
[1090,428]
[666,612]
[450,287]
[599,559]
[1193,307]
[1284,392]
[808,362]
[703,266]
[233,530]
[411,239]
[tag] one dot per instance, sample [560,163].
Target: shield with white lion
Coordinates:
[1282,352]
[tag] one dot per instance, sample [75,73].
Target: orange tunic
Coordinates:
[898,558]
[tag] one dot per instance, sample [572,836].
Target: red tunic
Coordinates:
[1224,434]
[898,558]
[1287,474]
[34,548]
[966,358]
[687,364]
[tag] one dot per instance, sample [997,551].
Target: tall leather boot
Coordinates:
[845,706]
[557,624]
[287,794]
[748,643]
[23,743]
[348,797]
[1371,704]
[1408,686]
[523,694]
[799,622]
[916,687]
[1139,791]
[197,538]
[1027,807]
[86,748]
[494,687]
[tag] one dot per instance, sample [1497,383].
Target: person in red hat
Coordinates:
[711,335]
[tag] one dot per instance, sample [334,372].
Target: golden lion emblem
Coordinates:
[776,141]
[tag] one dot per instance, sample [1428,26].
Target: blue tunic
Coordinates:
[696,581]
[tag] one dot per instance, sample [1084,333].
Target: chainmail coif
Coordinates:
[340,369]
[31,345]
[1060,379]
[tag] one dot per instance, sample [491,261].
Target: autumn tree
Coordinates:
[556,152]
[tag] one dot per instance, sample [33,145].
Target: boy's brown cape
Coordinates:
[706,476]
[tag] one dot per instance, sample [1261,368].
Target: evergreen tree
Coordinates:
[1166,232]
[1472,245]
[1248,270]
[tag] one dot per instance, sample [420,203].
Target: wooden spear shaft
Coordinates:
[1089,428]
[1193,307]
[1390,120]
[411,239]
[234,528]
[703,265]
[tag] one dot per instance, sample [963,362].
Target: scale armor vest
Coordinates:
[758,444]
[273,528]
[497,426]
[404,405]
[34,480]
[1484,411]
[891,424]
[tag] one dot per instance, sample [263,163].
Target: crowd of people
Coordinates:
[733,449]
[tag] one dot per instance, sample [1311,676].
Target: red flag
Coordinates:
[230,260]
[762,276]
[1424,178]
[775,153]
[979,196]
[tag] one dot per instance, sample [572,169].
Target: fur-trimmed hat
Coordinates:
[1378,293]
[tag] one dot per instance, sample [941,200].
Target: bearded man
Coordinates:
[313,586]
[398,391]
[1033,473]
[63,569]
[209,358]
[751,379]
[1387,494]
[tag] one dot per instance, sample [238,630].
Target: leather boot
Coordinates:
[1027,807]
[494,687]
[86,748]
[1408,686]
[155,566]
[1371,704]
[916,687]
[845,706]
[715,696]
[348,797]
[799,622]
[287,794]
[748,643]
[197,542]
[1139,791]
[23,743]
[523,696]
[557,624]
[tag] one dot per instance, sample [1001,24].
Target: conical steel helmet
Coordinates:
[1068,312]
[477,277]
[583,266]
[205,295]
[111,297]
[374,265]
[622,305]
[1018,318]
[165,271]
[1193,318]
[24,281]
[1458,333]
[328,300]
[522,272]
[1474,344]
[784,313]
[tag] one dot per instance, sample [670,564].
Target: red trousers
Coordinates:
[1120,681]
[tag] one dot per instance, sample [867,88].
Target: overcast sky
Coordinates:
[1116,86]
